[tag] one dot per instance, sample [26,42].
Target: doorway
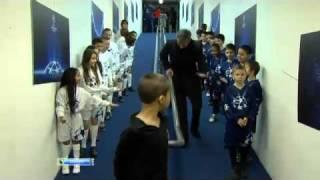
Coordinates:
[152,10]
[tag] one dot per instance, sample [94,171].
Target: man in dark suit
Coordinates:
[184,62]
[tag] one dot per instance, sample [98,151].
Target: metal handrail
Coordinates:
[156,54]
[180,139]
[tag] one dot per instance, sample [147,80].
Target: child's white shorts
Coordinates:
[72,129]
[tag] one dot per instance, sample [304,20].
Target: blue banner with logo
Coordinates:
[309,80]
[201,14]
[96,21]
[115,18]
[132,12]
[51,48]
[215,19]
[192,13]
[245,28]
[126,11]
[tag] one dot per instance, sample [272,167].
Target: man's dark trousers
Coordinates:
[188,87]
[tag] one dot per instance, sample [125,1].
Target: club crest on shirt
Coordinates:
[229,73]
[218,69]
[226,107]
[240,103]
[92,82]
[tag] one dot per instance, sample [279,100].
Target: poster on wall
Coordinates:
[96,21]
[51,48]
[245,28]
[192,14]
[215,19]
[115,17]
[126,11]
[309,81]
[182,10]
[201,14]
[137,10]
[187,12]
[132,11]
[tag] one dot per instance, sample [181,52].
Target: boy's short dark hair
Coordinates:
[124,21]
[210,33]
[254,66]
[106,30]
[152,86]
[220,36]
[199,32]
[204,26]
[97,40]
[130,38]
[238,67]
[231,47]
[246,48]
[90,47]
[214,45]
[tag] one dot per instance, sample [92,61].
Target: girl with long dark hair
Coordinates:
[91,81]
[71,101]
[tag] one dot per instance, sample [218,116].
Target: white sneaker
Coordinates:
[76,169]
[208,94]
[65,170]
[212,118]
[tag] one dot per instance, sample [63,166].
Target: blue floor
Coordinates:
[204,159]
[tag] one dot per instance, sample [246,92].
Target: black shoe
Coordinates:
[236,175]
[124,93]
[196,134]
[107,116]
[131,89]
[249,159]
[83,153]
[101,129]
[93,152]
[244,166]
[233,177]
[244,172]
[184,146]
[120,99]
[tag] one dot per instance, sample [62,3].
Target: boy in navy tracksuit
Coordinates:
[215,85]
[239,108]
[205,44]
[207,53]
[252,69]
[219,39]
[244,54]
[227,66]
[210,35]
[206,47]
